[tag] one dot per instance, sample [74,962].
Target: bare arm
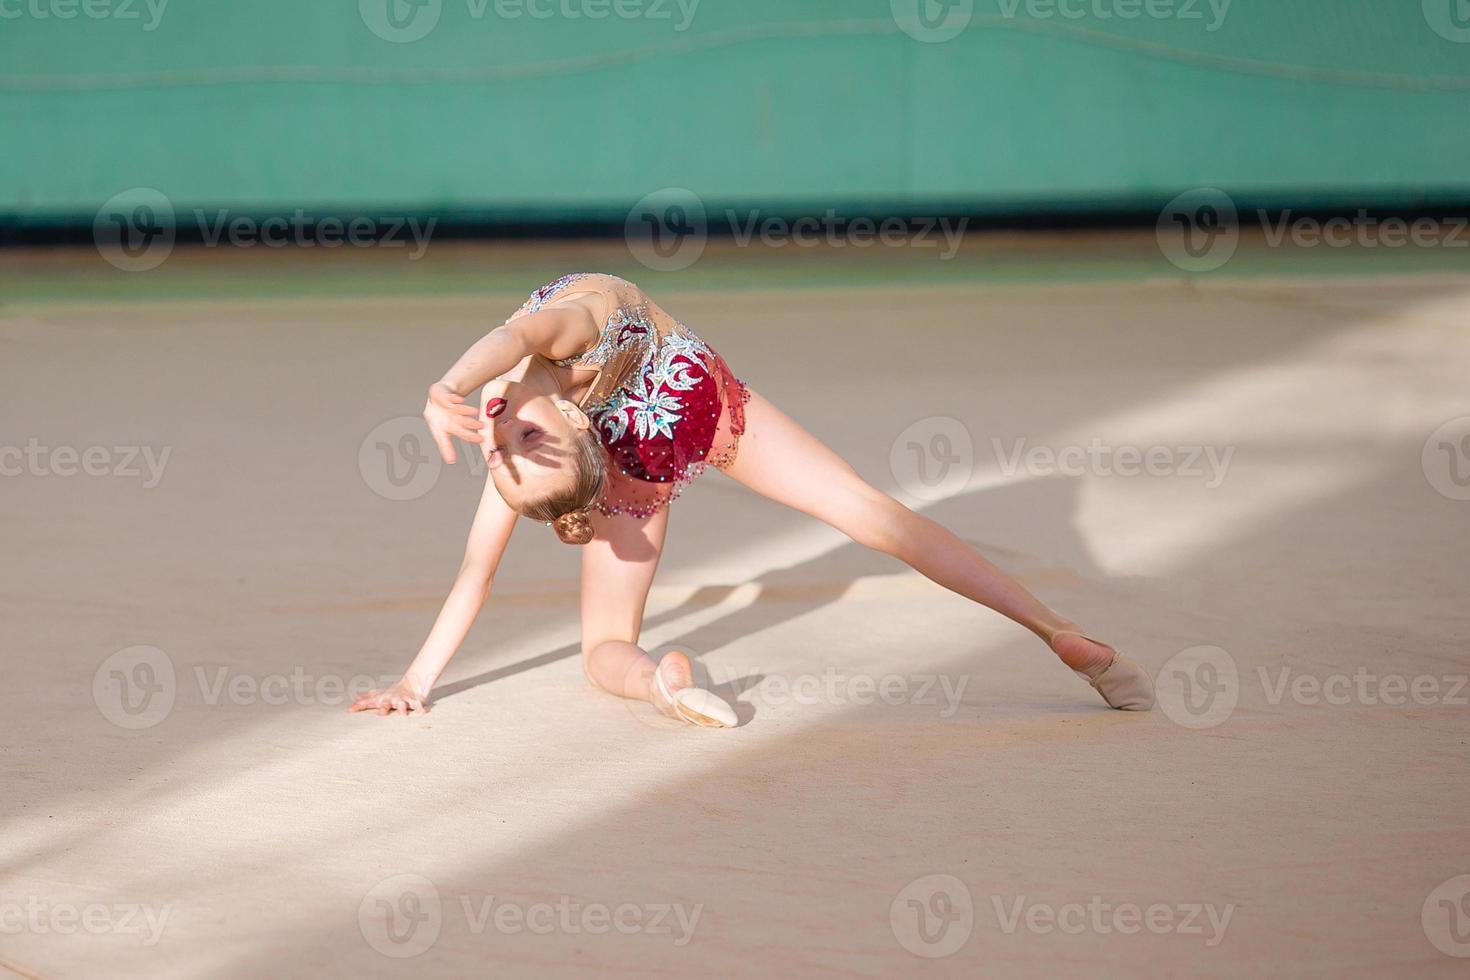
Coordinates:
[489,534]
[556,332]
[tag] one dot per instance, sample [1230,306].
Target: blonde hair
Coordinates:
[567,511]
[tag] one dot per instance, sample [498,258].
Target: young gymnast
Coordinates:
[600,408]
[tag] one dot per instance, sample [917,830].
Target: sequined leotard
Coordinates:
[664,403]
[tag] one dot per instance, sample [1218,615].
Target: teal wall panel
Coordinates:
[273,104]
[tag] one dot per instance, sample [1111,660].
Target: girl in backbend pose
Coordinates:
[598,408]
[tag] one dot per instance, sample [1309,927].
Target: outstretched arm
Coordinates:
[553,331]
[494,521]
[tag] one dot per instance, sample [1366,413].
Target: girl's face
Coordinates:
[529,440]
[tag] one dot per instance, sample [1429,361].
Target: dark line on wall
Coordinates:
[32,231]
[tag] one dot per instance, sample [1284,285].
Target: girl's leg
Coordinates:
[618,565]
[779,459]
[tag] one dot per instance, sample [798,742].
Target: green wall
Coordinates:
[269,105]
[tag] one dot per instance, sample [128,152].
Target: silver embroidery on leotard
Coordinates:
[540,296]
[655,412]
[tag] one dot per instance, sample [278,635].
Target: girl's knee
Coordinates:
[610,665]
[881,523]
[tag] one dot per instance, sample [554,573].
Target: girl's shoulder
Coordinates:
[583,282]
[616,301]
[563,287]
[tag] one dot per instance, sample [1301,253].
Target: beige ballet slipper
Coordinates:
[1123,684]
[696,705]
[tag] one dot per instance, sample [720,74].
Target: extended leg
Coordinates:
[781,460]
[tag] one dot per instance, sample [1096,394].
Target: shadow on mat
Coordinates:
[804,587]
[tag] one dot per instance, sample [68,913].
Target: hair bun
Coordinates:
[574,527]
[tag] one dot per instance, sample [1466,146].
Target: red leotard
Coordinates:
[664,403]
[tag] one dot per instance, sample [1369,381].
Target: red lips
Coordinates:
[494,407]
